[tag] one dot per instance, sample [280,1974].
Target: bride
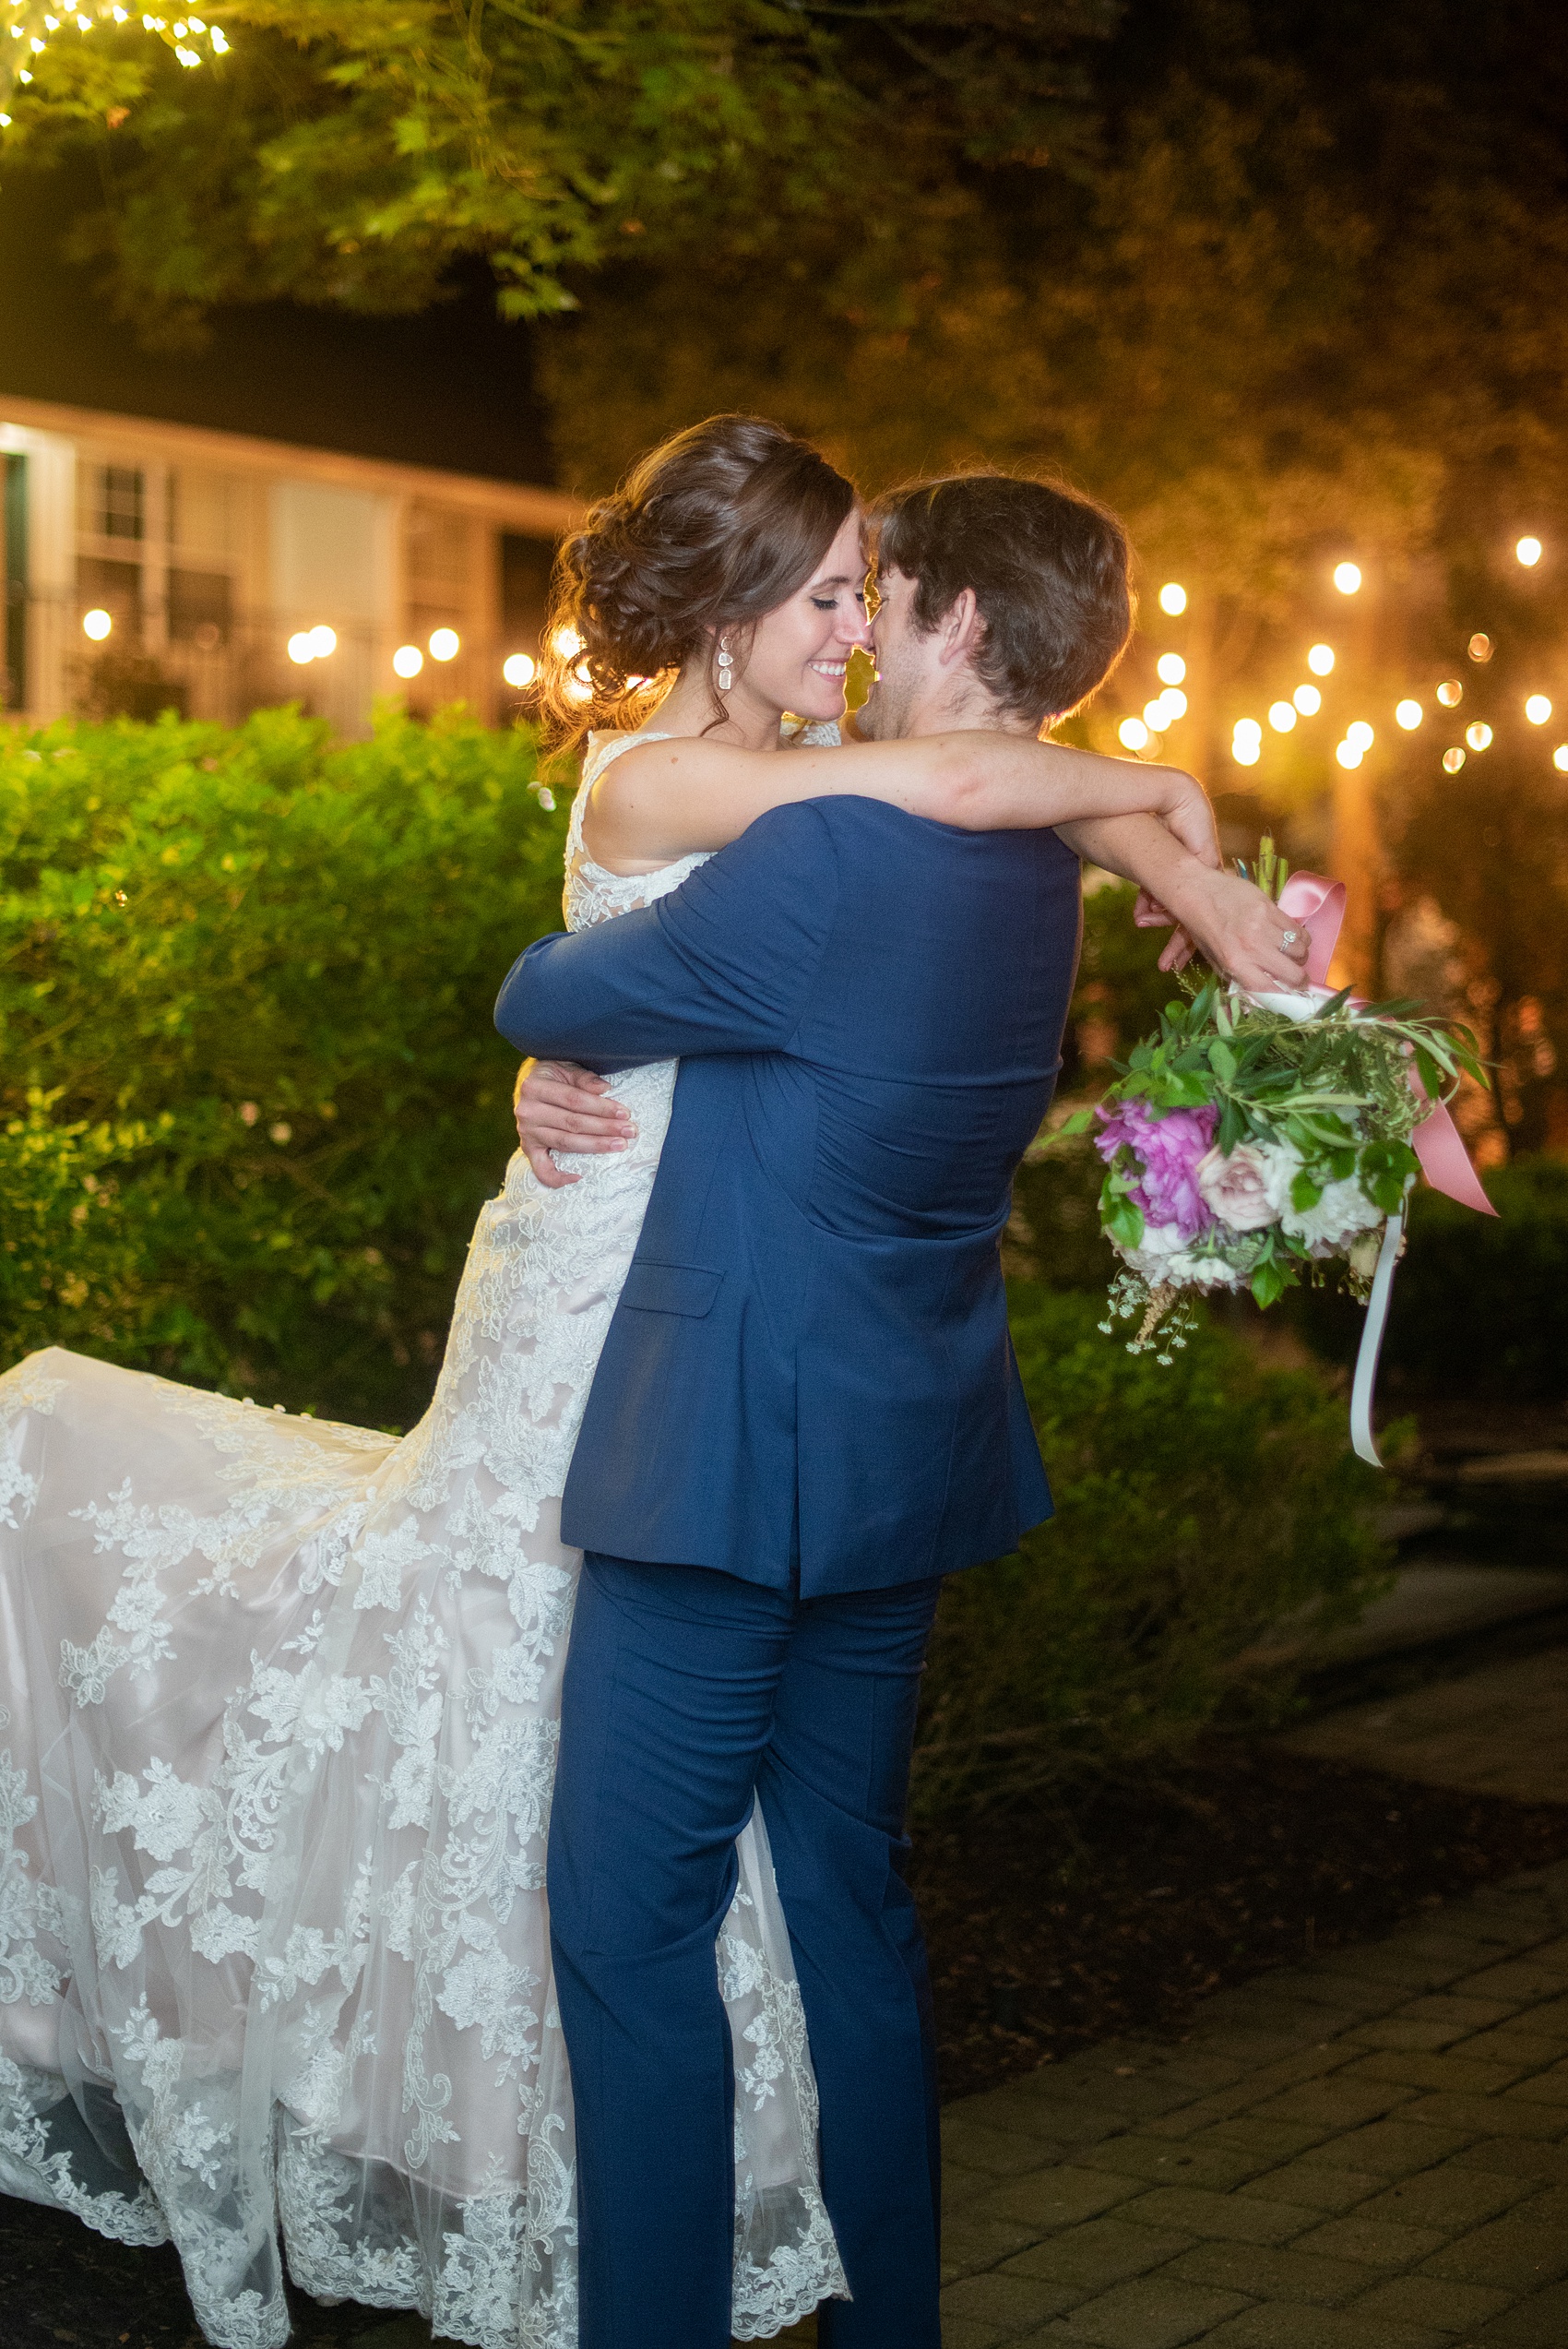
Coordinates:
[279,1698]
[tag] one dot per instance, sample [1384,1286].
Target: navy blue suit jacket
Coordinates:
[810,1366]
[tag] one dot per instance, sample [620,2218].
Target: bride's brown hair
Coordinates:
[709,532]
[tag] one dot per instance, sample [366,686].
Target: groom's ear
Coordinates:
[961,630]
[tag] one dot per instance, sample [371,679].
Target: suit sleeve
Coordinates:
[723,964]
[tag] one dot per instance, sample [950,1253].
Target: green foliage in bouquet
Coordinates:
[1195,1507]
[250,1094]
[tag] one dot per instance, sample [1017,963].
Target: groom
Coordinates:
[807,1413]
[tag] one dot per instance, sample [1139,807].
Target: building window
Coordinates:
[200,608]
[119,502]
[115,588]
[439,559]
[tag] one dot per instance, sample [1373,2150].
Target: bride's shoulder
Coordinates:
[603,747]
[812,734]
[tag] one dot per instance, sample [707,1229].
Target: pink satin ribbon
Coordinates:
[1319,906]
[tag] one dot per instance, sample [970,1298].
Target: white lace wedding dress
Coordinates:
[278,1715]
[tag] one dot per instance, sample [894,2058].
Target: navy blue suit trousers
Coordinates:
[685,1690]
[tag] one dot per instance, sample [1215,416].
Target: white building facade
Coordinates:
[151,566]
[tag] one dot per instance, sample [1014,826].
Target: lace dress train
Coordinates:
[278,1715]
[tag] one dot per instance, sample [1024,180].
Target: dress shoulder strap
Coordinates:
[603,749]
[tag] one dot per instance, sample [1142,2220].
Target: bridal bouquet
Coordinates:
[1260,1139]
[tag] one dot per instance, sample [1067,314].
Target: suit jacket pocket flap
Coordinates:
[670,1288]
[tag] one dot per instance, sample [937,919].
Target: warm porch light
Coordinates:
[96,624]
[407,661]
[445,644]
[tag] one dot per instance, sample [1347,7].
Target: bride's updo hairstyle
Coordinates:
[710,531]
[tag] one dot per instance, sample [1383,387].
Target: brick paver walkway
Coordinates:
[1501,1730]
[1370,2152]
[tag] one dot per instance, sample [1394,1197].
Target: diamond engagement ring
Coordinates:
[1289,938]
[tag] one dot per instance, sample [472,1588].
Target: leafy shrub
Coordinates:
[1480,1308]
[246,989]
[68,1266]
[1194,1507]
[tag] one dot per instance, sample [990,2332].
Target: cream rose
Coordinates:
[1249,1186]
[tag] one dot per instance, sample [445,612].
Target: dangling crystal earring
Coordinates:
[726,665]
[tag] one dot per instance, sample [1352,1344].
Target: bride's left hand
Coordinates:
[1179,949]
[559,1106]
[1241,932]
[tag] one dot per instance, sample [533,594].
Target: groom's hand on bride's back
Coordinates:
[559,1106]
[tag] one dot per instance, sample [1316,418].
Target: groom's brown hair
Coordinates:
[1050,573]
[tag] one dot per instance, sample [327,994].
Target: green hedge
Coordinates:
[249,1093]
[1194,1507]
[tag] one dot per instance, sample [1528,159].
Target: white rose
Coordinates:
[1327,1228]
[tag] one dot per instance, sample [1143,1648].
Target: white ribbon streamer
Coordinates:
[1361,1437]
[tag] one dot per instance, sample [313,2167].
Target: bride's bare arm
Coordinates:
[669,799]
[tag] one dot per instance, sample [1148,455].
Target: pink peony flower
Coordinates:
[1168,1147]
[1249,1186]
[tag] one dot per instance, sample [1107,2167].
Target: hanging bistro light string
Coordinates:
[28,27]
[1141,734]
